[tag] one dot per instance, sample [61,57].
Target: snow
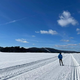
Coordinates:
[39,66]
[11,59]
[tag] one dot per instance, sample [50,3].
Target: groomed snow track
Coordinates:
[13,71]
[75,69]
[45,69]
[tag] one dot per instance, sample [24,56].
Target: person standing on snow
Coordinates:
[60,59]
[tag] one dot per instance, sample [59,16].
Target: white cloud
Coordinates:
[68,45]
[66,19]
[78,31]
[79,12]
[36,31]
[13,21]
[33,36]
[65,40]
[71,37]
[22,40]
[33,44]
[48,32]
[60,46]
[72,44]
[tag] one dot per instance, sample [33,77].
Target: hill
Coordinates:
[33,49]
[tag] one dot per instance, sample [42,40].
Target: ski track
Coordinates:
[10,72]
[45,69]
[75,69]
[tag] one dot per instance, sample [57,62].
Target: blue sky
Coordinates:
[40,23]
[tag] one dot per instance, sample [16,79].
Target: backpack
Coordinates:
[60,56]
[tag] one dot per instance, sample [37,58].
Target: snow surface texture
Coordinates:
[39,66]
[12,59]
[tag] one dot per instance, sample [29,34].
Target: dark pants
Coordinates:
[60,62]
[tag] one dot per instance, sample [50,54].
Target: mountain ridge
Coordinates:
[34,49]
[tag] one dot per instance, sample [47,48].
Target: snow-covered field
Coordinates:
[39,66]
[12,59]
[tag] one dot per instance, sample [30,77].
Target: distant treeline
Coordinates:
[33,49]
[12,49]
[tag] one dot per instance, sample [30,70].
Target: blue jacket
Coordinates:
[60,56]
